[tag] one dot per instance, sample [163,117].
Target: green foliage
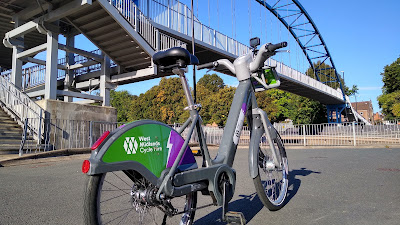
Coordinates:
[352,91]
[391,77]
[211,82]
[390,105]
[306,111]
[164,102]
[121,100]
[216,106]
[389,101]
[275,103]
[326,74]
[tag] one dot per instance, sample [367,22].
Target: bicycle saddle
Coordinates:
[174,57]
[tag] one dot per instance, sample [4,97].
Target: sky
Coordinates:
[362,37]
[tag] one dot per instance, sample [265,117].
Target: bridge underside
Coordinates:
[127,38]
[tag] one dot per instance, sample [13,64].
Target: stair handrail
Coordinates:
[131,12]
[355,113]
[20,106]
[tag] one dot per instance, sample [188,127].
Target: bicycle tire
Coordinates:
[109,200]
[271,184]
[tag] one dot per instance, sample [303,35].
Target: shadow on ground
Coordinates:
[250,205]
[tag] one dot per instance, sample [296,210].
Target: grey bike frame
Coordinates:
[243,104]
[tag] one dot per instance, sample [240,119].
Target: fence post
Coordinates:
[21,148]
[158,40]
[91,132]
[304,134]
[40,127]
[354,133]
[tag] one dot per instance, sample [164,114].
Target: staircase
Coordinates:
[10,134]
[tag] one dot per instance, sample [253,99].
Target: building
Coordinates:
[378,118]
[365,109]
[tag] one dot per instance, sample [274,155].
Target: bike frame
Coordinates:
[175,183]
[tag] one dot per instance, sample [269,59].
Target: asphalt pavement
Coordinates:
[327,186]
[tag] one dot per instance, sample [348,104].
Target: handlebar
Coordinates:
[209,65]
[252,64]
[273,47]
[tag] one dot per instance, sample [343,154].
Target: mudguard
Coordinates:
[146,146]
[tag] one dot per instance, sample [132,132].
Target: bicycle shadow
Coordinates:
[294,183]
[251,205]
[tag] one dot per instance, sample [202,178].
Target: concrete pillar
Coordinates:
[16,72]
[70,60]
[104,78]
[50,90]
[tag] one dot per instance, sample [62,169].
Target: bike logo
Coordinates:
[130,145]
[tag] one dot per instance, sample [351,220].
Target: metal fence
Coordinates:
[63,134]
[66,134]
[350,134]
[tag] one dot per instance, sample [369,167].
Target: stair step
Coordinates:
[14,149]
[10,132]
[10,141]
[10,128]
[104,29]
[89,16]
[98,23]
[106,36]
[118,46]
[10,137]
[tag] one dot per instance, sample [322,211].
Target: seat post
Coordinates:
[185,85]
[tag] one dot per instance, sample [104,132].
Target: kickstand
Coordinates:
[230,217]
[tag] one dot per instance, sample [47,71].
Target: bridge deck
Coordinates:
[129,38]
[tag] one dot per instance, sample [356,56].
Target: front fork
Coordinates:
[259,124]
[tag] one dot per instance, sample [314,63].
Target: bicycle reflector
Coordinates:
[85,166]
[100,140]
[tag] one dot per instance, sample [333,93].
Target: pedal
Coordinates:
[235,218]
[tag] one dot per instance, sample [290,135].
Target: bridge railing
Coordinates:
[303,78]
[177,16]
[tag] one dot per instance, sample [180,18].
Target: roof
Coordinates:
[365,105]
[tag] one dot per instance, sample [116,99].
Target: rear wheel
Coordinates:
[272,180]
[126,197]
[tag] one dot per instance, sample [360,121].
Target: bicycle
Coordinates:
[144,172]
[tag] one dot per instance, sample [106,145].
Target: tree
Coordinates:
[326,74]
[121,100]
[389,101]
[390,105]
[211,82]
[391,77]
[163,102]
[216,106]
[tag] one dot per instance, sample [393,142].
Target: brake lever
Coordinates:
[288,51]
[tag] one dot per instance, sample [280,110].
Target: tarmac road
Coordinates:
[327,186]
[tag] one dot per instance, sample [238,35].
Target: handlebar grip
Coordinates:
[273,47]
[206,65]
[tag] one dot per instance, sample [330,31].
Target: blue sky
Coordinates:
[362,37]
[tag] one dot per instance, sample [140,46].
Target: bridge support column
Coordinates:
[50,91]
[335,113]
[104,80]
[16,72]
[70,60]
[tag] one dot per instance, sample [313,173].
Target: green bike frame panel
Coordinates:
[153,145]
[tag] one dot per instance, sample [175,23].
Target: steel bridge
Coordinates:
[128,33]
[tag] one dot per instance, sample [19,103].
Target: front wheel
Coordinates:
[272,180]
[126,197]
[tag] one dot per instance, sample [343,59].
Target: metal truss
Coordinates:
[303,29]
